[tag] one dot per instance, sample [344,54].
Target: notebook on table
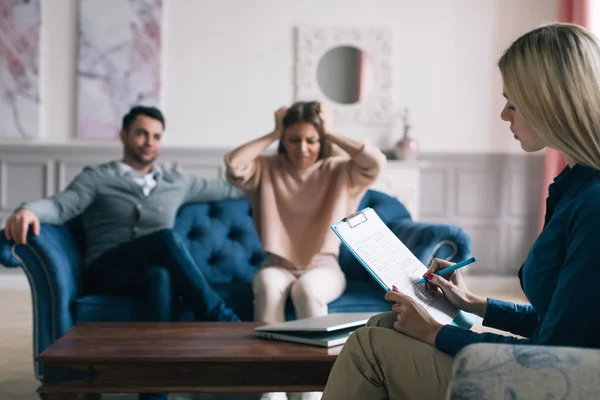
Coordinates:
[324,331]
[391,263]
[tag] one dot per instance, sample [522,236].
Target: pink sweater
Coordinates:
[293,208]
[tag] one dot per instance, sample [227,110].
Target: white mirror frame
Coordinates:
[313,42]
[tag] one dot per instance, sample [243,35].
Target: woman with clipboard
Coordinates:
[551,81]
[295,194]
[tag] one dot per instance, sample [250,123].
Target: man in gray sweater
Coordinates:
[128,209]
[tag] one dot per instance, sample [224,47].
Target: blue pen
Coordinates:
[451,268]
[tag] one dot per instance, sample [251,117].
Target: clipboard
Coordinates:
[440,308]
[353,221]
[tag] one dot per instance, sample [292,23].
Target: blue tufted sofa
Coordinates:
[222,238]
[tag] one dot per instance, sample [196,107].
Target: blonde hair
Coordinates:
[552,76]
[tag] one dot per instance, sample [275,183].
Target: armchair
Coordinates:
[501,371]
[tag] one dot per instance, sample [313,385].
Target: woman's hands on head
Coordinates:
[281,112]
[279,116]
[248,152]
[325,118]
[454,288]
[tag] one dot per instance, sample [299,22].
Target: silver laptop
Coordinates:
[325,331]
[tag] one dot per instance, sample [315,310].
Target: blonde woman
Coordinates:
[551,81]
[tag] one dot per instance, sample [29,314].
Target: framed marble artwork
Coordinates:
[119,63]
[20,23]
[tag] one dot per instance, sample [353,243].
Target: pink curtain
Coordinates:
[575,11]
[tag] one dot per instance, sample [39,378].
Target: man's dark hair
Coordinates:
[151,112]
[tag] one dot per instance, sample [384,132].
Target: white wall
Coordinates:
[229,64]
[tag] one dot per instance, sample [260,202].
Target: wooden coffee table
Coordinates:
[155,357]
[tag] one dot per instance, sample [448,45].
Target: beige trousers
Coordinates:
[311,290]
[378,362]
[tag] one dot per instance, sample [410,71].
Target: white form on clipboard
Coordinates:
[391,263]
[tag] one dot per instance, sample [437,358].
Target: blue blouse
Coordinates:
[560,276]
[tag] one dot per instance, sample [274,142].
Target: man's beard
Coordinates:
[139,159]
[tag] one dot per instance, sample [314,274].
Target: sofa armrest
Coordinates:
[500,371]
[51,263]
[430,240]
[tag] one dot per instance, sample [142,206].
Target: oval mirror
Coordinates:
[345,75]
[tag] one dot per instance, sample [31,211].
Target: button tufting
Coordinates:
[213,212]
[256,258]
[194,233]
[213,259]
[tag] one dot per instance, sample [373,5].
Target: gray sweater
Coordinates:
[115,209]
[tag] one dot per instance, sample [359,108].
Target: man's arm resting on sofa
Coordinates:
[493,371]
[71,202]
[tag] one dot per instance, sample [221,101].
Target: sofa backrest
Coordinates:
[224,242]
[222,239]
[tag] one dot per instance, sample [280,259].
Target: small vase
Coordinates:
[406,148]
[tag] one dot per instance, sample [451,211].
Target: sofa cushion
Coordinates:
[99,307]
[104,308]
[359,296]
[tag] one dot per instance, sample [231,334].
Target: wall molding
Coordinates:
[502,234]
[455,189]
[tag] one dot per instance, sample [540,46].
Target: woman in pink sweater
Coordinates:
[295,195]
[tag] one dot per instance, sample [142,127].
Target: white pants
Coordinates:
[311,290]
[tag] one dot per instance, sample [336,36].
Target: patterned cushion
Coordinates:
[500,371]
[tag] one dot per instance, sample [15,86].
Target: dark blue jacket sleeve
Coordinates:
[519,319]
[568,321]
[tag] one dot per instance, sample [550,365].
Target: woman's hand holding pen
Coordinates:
[454,288]
[412,318]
